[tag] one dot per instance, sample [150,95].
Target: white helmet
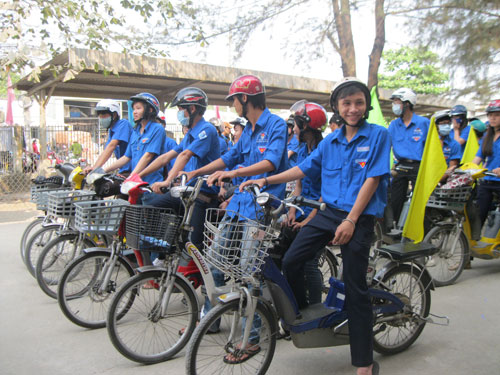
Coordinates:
[109,105]
[405,95]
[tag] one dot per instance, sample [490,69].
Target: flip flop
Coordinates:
[375,368]
[244,356]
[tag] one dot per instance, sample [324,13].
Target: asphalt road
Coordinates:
[35,338]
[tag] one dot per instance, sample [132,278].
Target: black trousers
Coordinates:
[311,239]
[399,188]
[485,193]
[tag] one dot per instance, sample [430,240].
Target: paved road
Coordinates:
[35,338]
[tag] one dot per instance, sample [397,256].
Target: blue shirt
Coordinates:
[203,141]
[223,145]
[344,167]
[464,134]
[152,141]
[311,189]
[120,131]
[169,144]
[451,150]
[293,145]
[266,142]
[492,161]
[408,141]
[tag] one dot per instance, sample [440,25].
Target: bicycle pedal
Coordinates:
[432,321]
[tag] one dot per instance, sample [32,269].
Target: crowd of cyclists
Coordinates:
[349,170]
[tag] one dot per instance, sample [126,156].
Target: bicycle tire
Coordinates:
[36,243]
[132,315]
[78,292]
[54,258]
[212,347]
[32,227]
[328,266]
[391,337]
[446,266]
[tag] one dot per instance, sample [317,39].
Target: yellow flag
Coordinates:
[471,147]
[432,168]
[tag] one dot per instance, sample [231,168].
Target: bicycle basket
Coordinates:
[39,194]
[60,204]
[149,228]
[450,199]
[99,217]
[235,245]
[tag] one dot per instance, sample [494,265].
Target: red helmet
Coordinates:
[494,106]
[309,113]
[247,84]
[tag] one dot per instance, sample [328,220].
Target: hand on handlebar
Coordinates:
[496,171]
[260,183]
[189,175]
[87,170]
[156,187]
[217,178]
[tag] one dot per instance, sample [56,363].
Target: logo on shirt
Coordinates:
[417,134]
[202,135]
[144,140]
[361,162]
[262,141]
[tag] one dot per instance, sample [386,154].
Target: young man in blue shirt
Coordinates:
[408,134]
[147,140]
[199,147]
[354,160]
[119,132]
[261,152]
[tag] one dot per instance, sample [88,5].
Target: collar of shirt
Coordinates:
[363,131]
[261,122]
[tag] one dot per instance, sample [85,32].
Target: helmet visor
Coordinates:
[299,108]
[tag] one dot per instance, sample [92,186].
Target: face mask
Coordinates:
[105,122]
[182,119]
[444,129]
[397,109]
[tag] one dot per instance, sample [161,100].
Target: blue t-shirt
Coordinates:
[203,141]
[223,145]
[170,144]
[492,161]
[266,142]
[451,150]
[464,134]
[293,145]
[408,141]
[152,141]
[344,167]
[311,189]
[120,131]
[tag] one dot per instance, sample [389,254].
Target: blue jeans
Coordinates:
[231,237]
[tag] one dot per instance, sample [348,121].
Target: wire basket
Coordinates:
[99,217]
[149,228]
[450,199]
[40,194]
[60,204]
[236,246]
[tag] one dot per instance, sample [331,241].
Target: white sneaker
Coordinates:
[159,262]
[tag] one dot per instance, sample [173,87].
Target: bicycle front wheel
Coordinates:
[32,227]
[54,258]
[448,263]
[81,295]
[209,353]
[36,243]
[394,333]
[138,328]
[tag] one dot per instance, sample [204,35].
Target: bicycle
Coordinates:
[400,296]
[153,315]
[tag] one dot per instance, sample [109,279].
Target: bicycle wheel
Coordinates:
[207,353]
[328,266]
[54,258]
[78,293]
[136,326]
[392,336]
[32,227]
[448,263]
[36,243]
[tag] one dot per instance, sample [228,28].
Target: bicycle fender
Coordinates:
[228,297]
[426,277]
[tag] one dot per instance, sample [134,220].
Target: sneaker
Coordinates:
[159,262]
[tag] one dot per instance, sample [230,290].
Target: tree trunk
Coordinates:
[378,44]
[342,14]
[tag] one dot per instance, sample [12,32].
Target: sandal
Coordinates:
[241,356]
[209,332]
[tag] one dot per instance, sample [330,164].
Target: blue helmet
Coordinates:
[149,99]
[458,110]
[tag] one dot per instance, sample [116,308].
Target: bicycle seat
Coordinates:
[405,251]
